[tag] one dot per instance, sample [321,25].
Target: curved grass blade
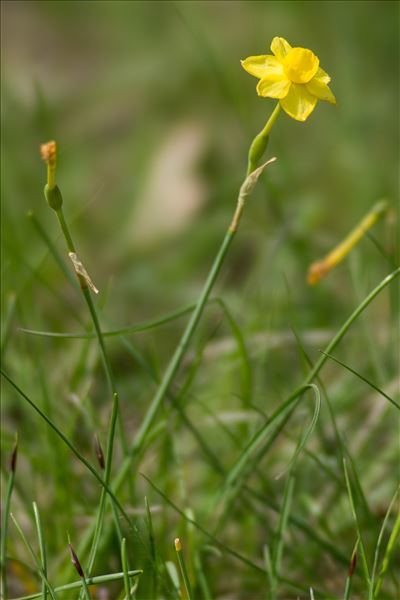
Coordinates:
[370,383]
[290,403]
[307,433]
[140,327]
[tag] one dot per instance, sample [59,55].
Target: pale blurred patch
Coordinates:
[174,191]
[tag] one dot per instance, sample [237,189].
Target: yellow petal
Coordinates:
[262,66]
[299,103]
[269,88]
[322,76]
[280,47]
[320,90]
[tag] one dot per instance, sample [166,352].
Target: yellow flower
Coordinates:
[292,75]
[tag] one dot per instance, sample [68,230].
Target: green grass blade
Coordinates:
[140,327]
[282,525]
[76,585]
[363,554]
[52,248]
[246,455]
[350,573]
[370,383]
[66,441]
[208,535]
[153,549]
[379,544]
[183,569]
[307,434]
[5,519]
[124,563]
[42,546]
[391,545]
[35,560]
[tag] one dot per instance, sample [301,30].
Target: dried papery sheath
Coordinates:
[246,190]
[99,452]
[81,271]
[75,561]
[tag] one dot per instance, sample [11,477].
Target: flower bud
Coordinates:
[75,561]
[257,149]
[53,197]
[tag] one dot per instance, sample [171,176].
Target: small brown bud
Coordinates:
[353,564]
[75,561]
[13,460]
[99,452]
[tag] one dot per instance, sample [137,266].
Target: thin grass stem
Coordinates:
[5,519]
[42,546]
[183,569]
[66,441]
[371,594]
[35,560]
[391,545]
[124,563]
[363,554]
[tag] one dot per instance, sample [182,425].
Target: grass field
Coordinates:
[267,441]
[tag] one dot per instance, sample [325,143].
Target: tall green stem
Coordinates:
[112,387]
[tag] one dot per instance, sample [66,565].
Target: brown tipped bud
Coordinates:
[13,460]
[178,545]
[75,561]
[99,452]
[353,564]
[48,152]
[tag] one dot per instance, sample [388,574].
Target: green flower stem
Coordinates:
[179,353]
[111,383]
[259,144]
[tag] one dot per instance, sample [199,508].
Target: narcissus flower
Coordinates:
[293,76]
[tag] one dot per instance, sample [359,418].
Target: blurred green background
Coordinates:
[153,116]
